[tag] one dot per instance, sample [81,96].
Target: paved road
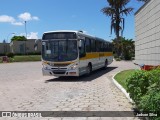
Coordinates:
[22,87]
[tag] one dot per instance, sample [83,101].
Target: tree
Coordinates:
[117,48]
[126,47]
[116,10]
[18,38]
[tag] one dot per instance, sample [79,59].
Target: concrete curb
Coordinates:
[121,88]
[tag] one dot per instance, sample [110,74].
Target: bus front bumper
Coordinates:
[48,72]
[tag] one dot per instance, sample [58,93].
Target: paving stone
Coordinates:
[24,88]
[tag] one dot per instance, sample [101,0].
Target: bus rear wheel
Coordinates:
[105,64]
[89,69]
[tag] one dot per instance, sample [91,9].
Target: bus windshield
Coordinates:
[59,50]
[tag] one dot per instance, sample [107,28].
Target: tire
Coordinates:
[89,69]
[105,65]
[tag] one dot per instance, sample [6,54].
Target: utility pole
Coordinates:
[25,22]
[25,28]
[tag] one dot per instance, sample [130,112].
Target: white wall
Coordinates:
[147,29]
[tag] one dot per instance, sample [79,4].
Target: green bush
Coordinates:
[34,53]
[115,56]
[11,55]
[121,57]
[0,60]
[2,54]
[144,89]
[118,59]
[19,54]
[151,102]
[127,56]
[137,85]
[29,53]
[155,80]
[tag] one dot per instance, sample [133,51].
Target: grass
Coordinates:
[122,76]
[25,58]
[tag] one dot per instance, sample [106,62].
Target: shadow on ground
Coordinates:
[84,78]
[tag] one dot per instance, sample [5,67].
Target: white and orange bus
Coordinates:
[73,53]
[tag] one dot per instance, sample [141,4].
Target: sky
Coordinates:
[51,15]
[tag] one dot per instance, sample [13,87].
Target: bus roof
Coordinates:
[61,31]
[77,32]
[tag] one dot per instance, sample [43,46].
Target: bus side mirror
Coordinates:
[80,43]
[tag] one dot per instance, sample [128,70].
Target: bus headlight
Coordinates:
[73,67]
[45,66]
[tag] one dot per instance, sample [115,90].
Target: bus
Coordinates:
[73,53]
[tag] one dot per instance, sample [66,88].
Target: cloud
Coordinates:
[6,18]
[27,17]
[35,18]
[17,23]
[23,17]
[9,19]
[32,35]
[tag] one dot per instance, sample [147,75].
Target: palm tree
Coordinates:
[116,10]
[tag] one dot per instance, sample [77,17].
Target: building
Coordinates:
[4,48]
[147,30]
[24,47]
[20,47]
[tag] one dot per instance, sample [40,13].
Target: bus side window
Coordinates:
[101,47]
[105,47]
[82,50]
[88,45]
[93,45]
[97,46]
[110,47]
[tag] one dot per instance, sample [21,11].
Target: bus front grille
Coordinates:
[59,72]
[59,68]
[60,65]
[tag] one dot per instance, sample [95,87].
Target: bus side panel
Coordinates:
[97,59]
[103,56]
[82,67]
[92,58]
